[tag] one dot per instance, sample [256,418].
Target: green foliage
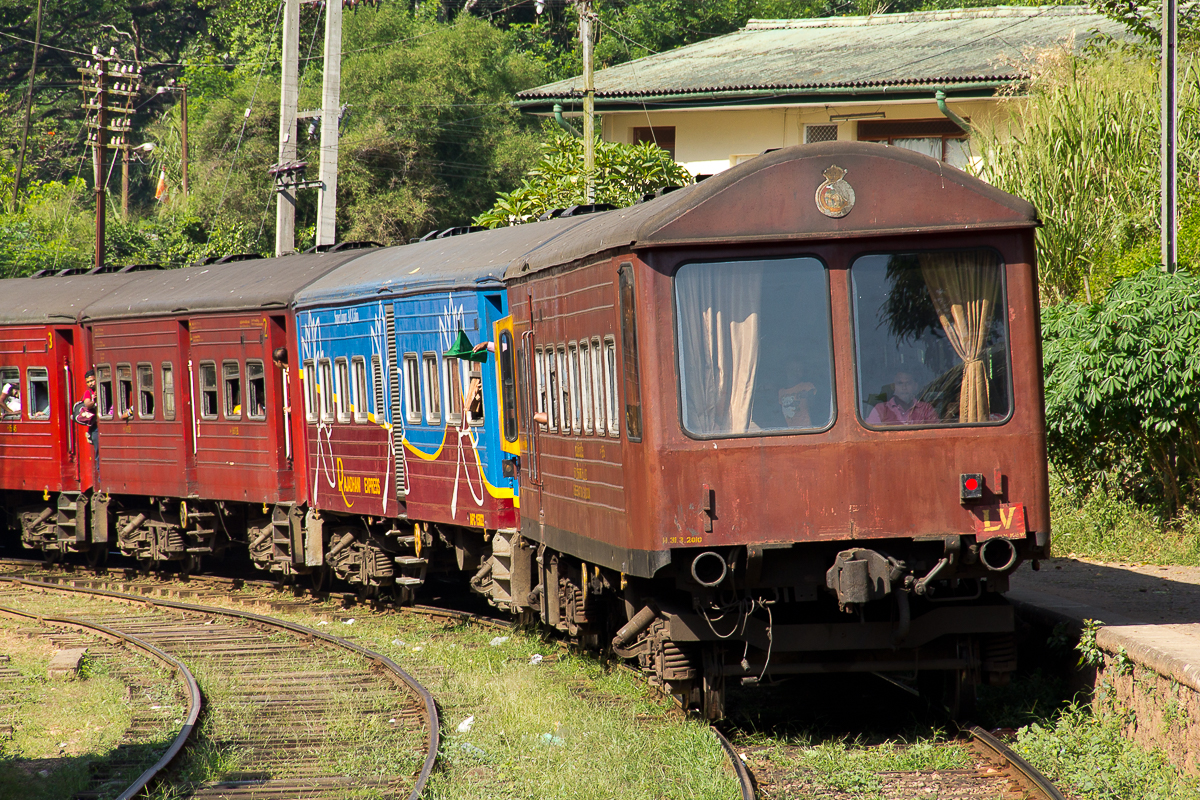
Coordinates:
[1146,20]
[624,173]
[1083,147]
[1123,388]
[1090,756]
[1090,654]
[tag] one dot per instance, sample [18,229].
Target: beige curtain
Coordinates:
[965,286]
[718,322]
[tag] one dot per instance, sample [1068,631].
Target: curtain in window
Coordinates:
[718,321]
[964,286]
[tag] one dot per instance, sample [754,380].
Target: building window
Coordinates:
[208,390]
[342,393]
[433,389]
[820,133]
[168,390]
[124,388]
[37,392]
[256,390]
[145,379]
[454,394]
[412,384]
[663,136]
[327,389]
[311,391]
[936,138]
[231,372]
[358,366]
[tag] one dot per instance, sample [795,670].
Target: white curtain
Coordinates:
[718,321]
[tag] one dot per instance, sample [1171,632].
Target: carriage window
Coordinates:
[598,385]
[377,373]
[256,390]
[37,393]
[358,366]
[12,406]
[124,388]
[231,372]
[311,391]
[168,390]
[412,384]
[342,392]
[208,390]
[552,398]
[573,359]
[104,391]
[145,379]
[585,386]
[326,389]
[931,338]
[629,353]
[454,393]
[755,351]
[564,390]
[433,389]
[508,390]
[475,408]
[610,386]
[543,383]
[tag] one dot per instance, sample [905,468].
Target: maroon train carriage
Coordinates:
[45,460]
[207,456]
[788,420]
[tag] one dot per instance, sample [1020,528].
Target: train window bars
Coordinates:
[454,393]
[256,389]
[433,388]
[145,391]
[208,390]
[931,338]
[412,386]
[37,393]
[610,386]
[552,397]
[597,375]
[576,406]
[343,393]
[475,408]
[564,394]
[104,390]
[508,389]
[231,373]
[629,352]
[12,407]
[585,385]
[168,390]
[755,347]
[542,391]
[377,373]
[327,389]
[311,391]
[124,388]
[358,369]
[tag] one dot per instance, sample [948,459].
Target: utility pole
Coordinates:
[37,44]
[285,209]
[183,137]
[99,139]
[125,181]
[586,17]
[1170,132]
[331,91]
[103,79]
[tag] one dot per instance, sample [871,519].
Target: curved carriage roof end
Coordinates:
[269,283]
[54,300]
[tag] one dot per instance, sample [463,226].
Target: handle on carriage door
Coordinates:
[195,422]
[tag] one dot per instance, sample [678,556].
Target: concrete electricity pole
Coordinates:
[1170,132]
[330,115]
[285,192]
[586,18]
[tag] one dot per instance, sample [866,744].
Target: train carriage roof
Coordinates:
[54,300]
[468,261]
[269,283]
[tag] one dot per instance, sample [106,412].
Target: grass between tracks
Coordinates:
[57,733]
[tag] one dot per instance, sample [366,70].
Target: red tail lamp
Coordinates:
[970,485]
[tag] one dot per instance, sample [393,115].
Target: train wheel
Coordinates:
[951,691]
[52,556]
[190,565]
[97,557]
[318,578]
[713,684]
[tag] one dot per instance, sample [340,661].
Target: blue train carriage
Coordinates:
[407,358]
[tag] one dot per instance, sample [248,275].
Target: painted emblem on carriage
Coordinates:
[835,197]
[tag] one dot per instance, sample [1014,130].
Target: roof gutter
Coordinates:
[562,122]
[940,96]
[747,94]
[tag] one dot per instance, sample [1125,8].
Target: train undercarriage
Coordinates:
[926,614]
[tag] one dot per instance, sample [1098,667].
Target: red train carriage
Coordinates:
[196,448]
[788,420]
[45,460]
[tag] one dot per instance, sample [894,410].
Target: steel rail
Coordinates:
[195,699]
[1036,780]
[430,712]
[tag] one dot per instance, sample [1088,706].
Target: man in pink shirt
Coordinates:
[903,408]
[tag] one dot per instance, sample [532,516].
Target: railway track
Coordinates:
[279,698]
[1010,767]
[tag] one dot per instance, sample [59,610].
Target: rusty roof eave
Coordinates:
[766,94]
[871,233]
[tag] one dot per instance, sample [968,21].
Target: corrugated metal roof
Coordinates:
[875,53]
[467,261]
[237,286]
[36,301]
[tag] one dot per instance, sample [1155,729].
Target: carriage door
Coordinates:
[63,343]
